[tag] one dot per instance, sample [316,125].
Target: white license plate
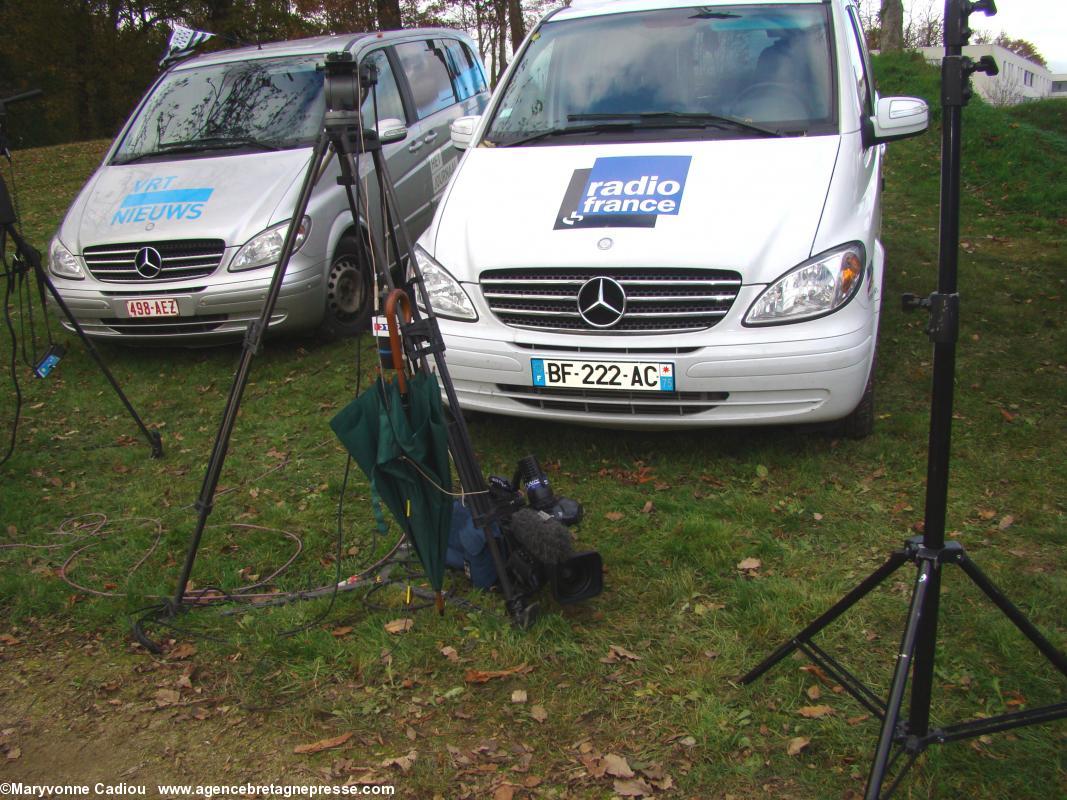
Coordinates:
[152,307]
[631,376]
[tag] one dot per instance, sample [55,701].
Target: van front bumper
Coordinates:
[788,381]
[217,308]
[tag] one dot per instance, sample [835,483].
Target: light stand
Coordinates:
[345,85]
[911,735]
[28,258]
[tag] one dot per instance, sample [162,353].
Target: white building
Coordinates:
[1020,79]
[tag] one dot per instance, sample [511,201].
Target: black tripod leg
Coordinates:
[1011,611]
[153,437]
[916,618]
[253,338]
[894,562]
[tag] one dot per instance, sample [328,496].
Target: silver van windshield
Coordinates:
[269,103]
[744,70]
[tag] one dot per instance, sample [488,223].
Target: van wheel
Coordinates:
[348,290]
[860,423]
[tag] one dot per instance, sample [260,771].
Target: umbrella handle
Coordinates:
[394,297]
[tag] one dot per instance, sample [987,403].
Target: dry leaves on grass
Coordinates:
[617,653]
[322,744]
[403,763]
[344,630]
[814,712]
[450,653]
[486,675]
[633,787]
[182,651]
[614,516]
[539,713]
[617,766]
[167,697]
[797,745]
[749,565]
[518,696]
[400,625]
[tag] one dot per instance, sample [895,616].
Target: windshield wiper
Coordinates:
[598,127]
[203,145]
[681,119]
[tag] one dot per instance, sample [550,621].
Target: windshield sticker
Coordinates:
[624,192]
[153,200]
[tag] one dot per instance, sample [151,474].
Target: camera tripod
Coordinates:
[345,86]
[910,736]
[27,259]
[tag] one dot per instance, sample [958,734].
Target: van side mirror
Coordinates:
[391,130]
[462,131]
[897,118]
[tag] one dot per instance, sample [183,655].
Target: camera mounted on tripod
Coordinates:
[345,86]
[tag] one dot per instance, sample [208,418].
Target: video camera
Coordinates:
[537,546]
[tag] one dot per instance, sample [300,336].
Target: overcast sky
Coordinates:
[1042,22]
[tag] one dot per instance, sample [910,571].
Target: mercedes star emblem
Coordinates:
[601,302]
[148,262]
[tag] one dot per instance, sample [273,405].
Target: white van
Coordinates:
[669,217]
[175,237]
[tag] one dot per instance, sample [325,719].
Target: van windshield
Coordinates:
[721,71]
[269,103]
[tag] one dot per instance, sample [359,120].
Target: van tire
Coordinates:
[860,423]
[349,290]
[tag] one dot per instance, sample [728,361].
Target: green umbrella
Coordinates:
[401,443]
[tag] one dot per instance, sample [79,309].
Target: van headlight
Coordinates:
[812,289]
[446,295]
[62,263]
[263,249]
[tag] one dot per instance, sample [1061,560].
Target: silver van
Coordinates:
[175,236]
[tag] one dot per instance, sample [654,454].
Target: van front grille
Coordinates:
[171,261]
[658,299]
[622,404]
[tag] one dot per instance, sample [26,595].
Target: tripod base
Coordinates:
[911,736]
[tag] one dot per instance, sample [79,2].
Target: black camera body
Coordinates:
[538,544]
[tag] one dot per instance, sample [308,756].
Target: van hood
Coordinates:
[230,197]
[751,205]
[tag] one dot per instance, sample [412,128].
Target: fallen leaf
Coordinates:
[749,564]
[858,720]
[14,753]
[634,787]
[614,516]
[593,765]
[814,712]
[618,653]
[518,696]
[617,766]
[813,692]
[342,631]
[1008,416]
[323,744]
[167,697]
[538,713]
[797,744]
[8,639]
[403,762]
[1006,522]
[450,653]
[648,508]
[986,513]
[400,625]
[483,675]
[182,651]
[504,791]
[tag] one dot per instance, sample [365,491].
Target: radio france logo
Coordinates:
[624,192]
[152,200]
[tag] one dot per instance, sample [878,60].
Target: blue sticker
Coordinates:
[650,185]
[152,200]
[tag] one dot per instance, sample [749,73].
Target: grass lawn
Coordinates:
[646,671]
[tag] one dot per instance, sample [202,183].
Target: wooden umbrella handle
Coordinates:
[394,297]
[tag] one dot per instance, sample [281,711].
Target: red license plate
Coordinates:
[152,307]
